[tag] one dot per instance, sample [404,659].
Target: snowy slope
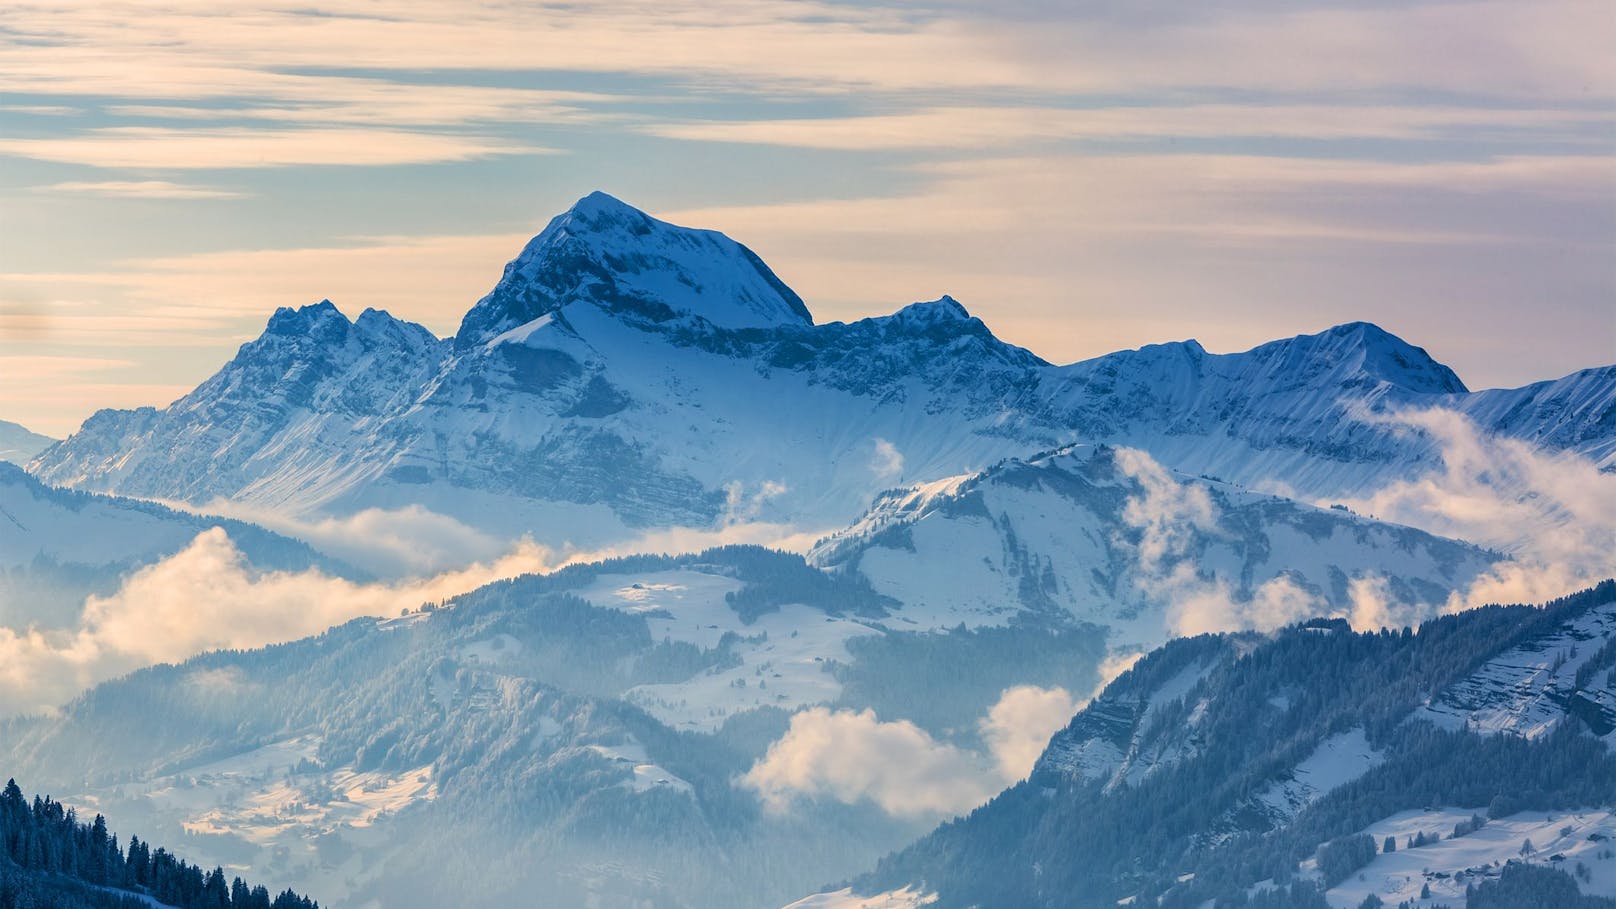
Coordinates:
[284,421]
[907,898]
[1111,741]
[626,373]
[19,445]
[1336,761]
[1575,413]
[778,661]
[1563,840]
[1075,533]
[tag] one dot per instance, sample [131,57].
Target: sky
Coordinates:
[1085,176]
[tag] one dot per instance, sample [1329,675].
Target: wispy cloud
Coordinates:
[148,147]
[1014,127]
[141,189]
[48,367]
[42,110]
[1553,47]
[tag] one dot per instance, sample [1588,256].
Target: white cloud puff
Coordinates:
[853,756]
[1018,727]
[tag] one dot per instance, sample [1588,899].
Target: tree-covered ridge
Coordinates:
[51,859]
[1191,826]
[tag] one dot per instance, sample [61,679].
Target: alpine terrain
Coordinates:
[688,600]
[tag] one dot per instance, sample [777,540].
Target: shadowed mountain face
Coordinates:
[627,373]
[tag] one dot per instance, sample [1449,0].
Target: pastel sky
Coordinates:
[1086,176]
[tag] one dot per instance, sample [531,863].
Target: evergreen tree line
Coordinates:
[50,859]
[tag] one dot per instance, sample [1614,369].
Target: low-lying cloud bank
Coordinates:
[854,756]
[413,540]
[206,597]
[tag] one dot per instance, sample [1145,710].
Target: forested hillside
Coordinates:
[1229,767]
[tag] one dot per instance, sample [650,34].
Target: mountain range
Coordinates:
[996,538]
[626,373]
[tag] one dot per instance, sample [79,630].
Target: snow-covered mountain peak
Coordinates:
[614,256]
[1364,351]
[321,320]
[942,309]
[599,205]
[378,326]
[321,331]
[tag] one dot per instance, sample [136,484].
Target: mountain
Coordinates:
[1110,537]
[1007,529]
[18,445]
[630,264]
[58,546]
[1576,413]
[1314,767]
[278,417]
[626,374]
[1307,413]
[608,695]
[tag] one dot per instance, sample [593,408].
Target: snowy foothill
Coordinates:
[1563,840]
[781,656]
